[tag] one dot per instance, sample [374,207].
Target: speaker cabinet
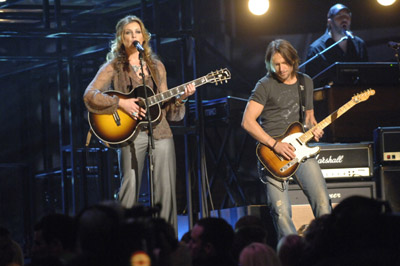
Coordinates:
[301,210]
[337,191]
[389,186]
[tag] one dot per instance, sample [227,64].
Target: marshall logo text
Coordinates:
[330,159]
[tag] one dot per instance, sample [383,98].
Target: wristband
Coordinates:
[180,102]
[273,147]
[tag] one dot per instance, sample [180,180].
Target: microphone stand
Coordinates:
[150,134]
[325,50]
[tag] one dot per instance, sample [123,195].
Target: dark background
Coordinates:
[50,50]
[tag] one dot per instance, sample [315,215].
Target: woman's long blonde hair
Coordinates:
[117,50]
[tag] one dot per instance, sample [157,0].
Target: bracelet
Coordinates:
[180,102]
[273,147]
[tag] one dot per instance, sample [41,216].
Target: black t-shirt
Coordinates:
[356,52]
[281,103]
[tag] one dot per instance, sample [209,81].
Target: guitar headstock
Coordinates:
[363,96]
[219,76]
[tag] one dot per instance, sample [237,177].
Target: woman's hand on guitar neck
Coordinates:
[190,89]
[130,106]
[285,150]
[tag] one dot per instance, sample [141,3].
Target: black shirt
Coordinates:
[356,52]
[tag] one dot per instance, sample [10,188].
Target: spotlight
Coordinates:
[258,7]
[386,2]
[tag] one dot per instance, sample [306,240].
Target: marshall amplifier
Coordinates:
[387,145]
[345,160]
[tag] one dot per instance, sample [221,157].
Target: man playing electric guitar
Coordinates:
[278,100]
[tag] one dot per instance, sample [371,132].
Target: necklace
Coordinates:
[135,68]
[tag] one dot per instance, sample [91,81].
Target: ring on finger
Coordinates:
[135,114]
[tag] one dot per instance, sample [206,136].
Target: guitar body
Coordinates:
[119,129]
[111,132]
[280,168]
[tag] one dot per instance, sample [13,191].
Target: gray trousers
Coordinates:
[131,163]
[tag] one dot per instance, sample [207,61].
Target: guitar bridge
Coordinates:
[288,165]
[117,119]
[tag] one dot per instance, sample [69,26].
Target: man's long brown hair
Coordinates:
[286,50]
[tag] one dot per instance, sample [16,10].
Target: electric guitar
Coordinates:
[120,127]
[282,169]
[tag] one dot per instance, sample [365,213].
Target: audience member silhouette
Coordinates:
[248,220]
[98,230]
[211,243]
[290,249]
[108,234]
[258,254]
[249,229]
[53,240]
[185,239]
[10,251]
[359,231]
[157,238]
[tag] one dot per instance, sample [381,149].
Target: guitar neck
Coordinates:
[328,120]
[153,100]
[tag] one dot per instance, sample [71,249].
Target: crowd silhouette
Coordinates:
[359,231]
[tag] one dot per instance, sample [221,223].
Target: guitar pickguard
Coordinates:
[302,151]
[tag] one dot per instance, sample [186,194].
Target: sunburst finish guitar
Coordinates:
[118,128]
[282,169]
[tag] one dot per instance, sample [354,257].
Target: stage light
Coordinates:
[258,7]
[386,2]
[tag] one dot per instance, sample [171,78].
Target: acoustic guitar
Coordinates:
[282,169]
[117,129]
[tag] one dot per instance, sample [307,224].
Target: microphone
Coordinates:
[394,45]
[348,34]
[138,46]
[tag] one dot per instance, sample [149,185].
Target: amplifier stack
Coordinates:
[387,162]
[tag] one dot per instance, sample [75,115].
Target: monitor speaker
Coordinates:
[387,145]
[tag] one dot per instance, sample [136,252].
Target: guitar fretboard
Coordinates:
[175,91]
[327,121]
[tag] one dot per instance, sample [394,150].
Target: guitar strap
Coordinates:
[302,96]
